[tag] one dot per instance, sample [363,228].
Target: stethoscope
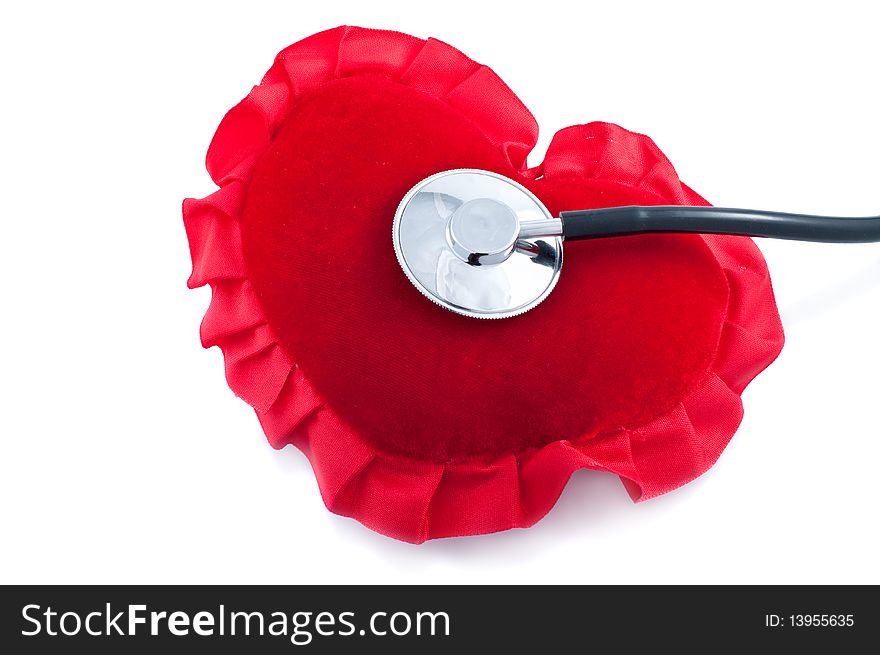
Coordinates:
[482,245]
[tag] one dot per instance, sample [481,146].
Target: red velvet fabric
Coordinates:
[421,423]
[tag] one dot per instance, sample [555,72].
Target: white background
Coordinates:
[125,457]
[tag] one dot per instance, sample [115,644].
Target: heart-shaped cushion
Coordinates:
[419,422]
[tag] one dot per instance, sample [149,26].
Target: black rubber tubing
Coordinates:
[622,221]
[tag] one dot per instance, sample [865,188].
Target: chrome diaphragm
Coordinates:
[463,239]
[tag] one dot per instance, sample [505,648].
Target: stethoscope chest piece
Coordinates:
[460,238]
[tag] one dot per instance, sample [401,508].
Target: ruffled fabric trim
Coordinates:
[416,500]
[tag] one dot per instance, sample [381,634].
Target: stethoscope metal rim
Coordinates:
[536,298]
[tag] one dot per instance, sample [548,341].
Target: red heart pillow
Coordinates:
[418,422]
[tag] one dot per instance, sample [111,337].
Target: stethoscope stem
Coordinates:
[632,220]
